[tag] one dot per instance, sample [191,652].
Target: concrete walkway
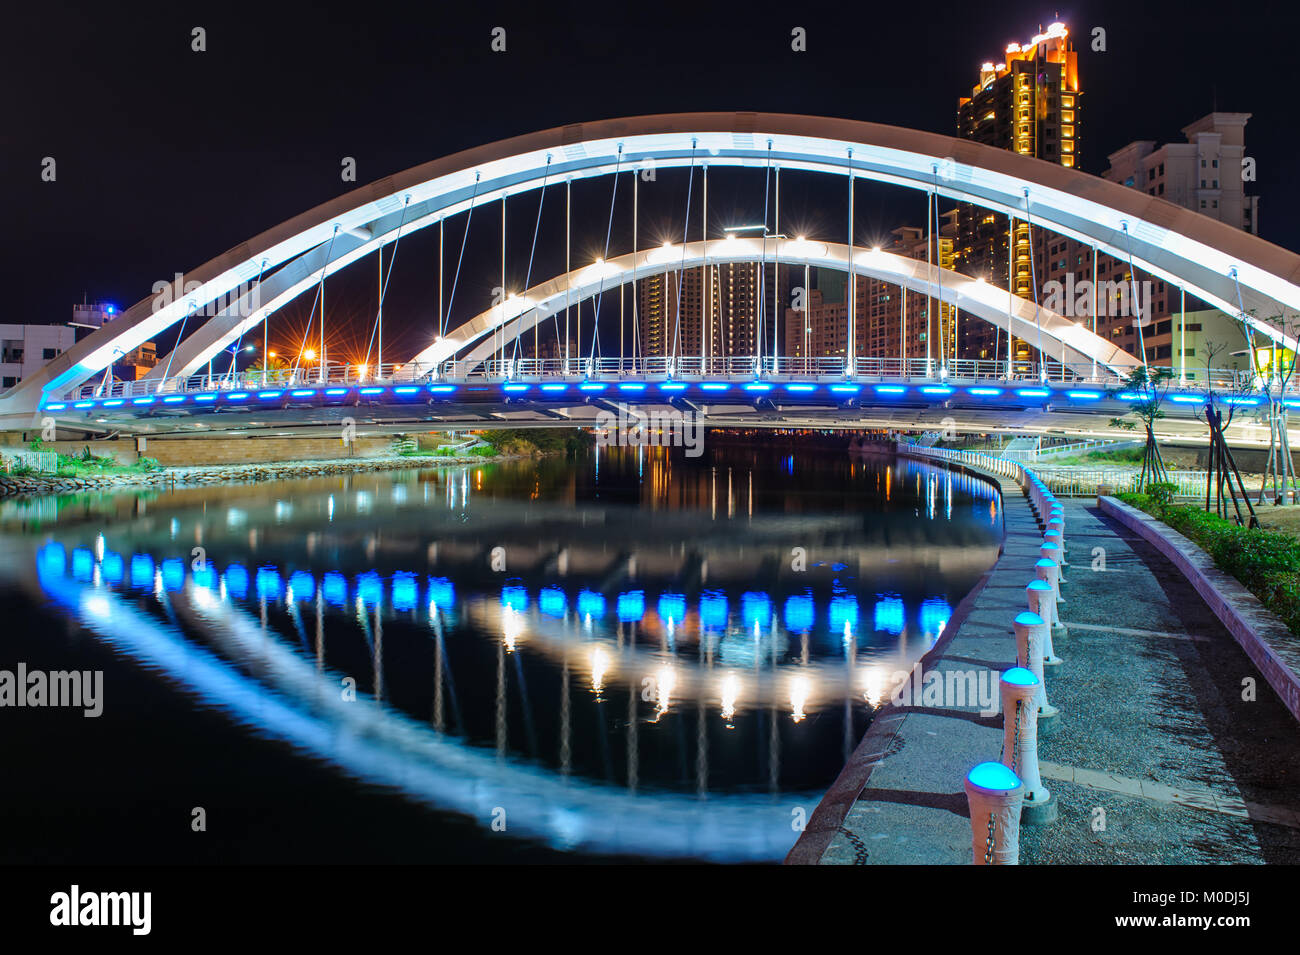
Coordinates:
[1157,757]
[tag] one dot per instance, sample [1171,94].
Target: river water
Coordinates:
[630,654]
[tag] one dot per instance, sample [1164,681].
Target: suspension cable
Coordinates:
[528,275]
[681,270]
[762,266]
[240,340]
[384,290]
[600,293]
[461,257]
[312,316]
[1247,331]
[1132,277]
[1033,287]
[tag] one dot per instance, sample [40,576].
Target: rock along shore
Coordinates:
[35,484]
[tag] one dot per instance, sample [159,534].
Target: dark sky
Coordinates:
[166,157]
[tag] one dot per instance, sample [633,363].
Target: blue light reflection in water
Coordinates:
[764,669]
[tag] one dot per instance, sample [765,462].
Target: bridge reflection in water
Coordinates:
[640,654]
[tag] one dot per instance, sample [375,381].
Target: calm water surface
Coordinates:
[631,654]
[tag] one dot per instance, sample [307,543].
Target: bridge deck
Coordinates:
[1153,729]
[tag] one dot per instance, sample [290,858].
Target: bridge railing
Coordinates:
[686,368]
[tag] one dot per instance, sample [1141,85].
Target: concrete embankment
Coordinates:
[1169,748]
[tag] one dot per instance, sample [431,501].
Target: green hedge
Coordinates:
[1266,562]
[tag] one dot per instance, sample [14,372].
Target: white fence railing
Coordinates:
[46,462]
[685,368]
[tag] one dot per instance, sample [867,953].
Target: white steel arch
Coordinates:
[1228,268]
[520,313]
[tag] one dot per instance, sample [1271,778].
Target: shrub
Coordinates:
[1267,563]
[1161,492]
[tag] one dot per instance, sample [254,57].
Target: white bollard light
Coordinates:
[1047,570]
[1053,535]
[995,796]
[1052,551]
[1020,745]
[1031,635]
[1042,601]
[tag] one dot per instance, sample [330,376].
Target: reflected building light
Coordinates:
[599,667]
[174,528]
[875,684]
[329,509]
[889,614]
[666,682]
[512,627]
[730,694]
[800,690]
[363,502]
[205,576]
[99,547]
[236,517]
[283,511]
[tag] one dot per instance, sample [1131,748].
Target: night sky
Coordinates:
[167,157]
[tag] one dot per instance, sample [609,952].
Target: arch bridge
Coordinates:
[226,300]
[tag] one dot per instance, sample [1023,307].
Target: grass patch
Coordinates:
[1267,563]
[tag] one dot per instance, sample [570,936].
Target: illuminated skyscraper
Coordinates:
[1029,104]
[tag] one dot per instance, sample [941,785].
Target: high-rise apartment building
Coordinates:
[1205,175]
[1029,104]
[715,313]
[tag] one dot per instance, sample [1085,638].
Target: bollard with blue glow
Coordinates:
[1053,535]
[1020,739]
[1046,569]
[995,796]
[1042,601]
[1052,551]
[1031,636]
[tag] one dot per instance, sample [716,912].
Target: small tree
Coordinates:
[1274,382]
[1148,387]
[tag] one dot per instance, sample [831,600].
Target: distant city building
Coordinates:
[26,348]
[1203,174]
[823,330]
[89,317]
[1029,104]
[715,313]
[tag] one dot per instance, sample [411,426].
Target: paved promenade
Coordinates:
[1157,757]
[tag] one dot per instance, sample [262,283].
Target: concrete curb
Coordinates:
[1271,646]
[829,815]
